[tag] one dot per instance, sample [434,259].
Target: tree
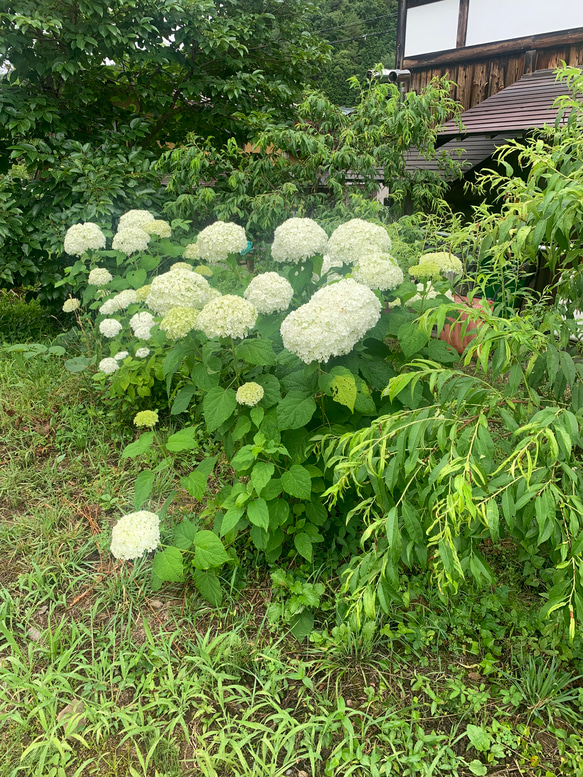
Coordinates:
[92,90]
[328,166]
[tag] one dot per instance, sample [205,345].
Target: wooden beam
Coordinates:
[530,61]
[401,32]
[484,50]
[415,3]
[462,24]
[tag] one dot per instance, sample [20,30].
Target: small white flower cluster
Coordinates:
[121,301]
[141,324]
[109,327]
[178,289]
[108,365]
[135,218]
[433,264]
[178,322]
[191,251]
[332,322]
[83,237]
[378,271]
[121,355]
[158,227]
[130,239]
[220,239]
[227,316]
[141,353]
[99,276]
[351,241]
[269,292]
[71,305]
[250,394]
[297,240]
[181,266]
[135,534]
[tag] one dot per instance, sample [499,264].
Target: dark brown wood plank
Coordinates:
[401,32]
[462,23]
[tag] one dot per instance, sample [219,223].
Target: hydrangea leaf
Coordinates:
[197,481]
[138,447]
[167,565]
[295,410]
[297,482]
[271,389]
[208,586]
[184,535]
[411,339]
[218,405]
[258,513]
[230,519]
[209,550]
[143,487]
[259,352]
[183,440]
[182,400]
[302,625]
[303,545]
[261,475]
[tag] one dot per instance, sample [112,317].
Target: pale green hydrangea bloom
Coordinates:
[269,292]
[134,534]
[178,322]
[181,266]
[220,239]
[178,289]
[158,227]
[147,418]
[228,316]
[109,327]
[191,251]
[297,240]
[130,239]
[433,264]
[108,365]
[202,269]
[142,292]
[250,394]
[121,301]
[142,353]
[135,218]
[378,271]
[71,305]
[121,355]
[99,276]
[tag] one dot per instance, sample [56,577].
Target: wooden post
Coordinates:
[530,61]
[401,30]
[462,24]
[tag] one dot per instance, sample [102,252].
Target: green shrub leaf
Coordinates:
[218,405]
[295,410]
[297,482]
[209,550]
[167,565]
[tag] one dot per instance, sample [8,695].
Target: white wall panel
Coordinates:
[432,27]
[494,20]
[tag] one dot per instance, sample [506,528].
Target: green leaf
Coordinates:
[167,565]
[143,487]
[261,474]
[257,414]
[478,768]
[197,481]
[218,405]
[77,364]
[479,737]
[230,519]
[209,550]
[258,513]
[271,388]
[209,586]
[302,625]
[344,391]
[303,545]
[184,440]
[182,400]
[295,410]
[256,351]
[297,482]
[141,445]
[184,534]
[411,339]
[241,427]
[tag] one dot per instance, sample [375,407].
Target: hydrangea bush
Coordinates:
[284,357]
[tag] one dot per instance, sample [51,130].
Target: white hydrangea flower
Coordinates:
[108,365]
[227,316]
[378,271]
[141,324]
[109,327]
[121,301]
[332,322]
[297,240]
[269,292]
[99,276]
[119,357]
[142,293]
[130,239]
[352,240]
[191,251]
[83,237]
[220,239]
[433,264]
[158,227]
[178,322]
[250,394]
[141,353]
[71,305]
[134,534]
[178,289]
[135,218]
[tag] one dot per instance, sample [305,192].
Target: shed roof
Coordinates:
[526,104]
[468,152]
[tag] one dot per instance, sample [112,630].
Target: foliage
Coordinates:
[481,457]
[361,34]
[328,166]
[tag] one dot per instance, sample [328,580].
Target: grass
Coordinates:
[101,676]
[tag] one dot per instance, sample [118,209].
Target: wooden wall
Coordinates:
[482,77]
